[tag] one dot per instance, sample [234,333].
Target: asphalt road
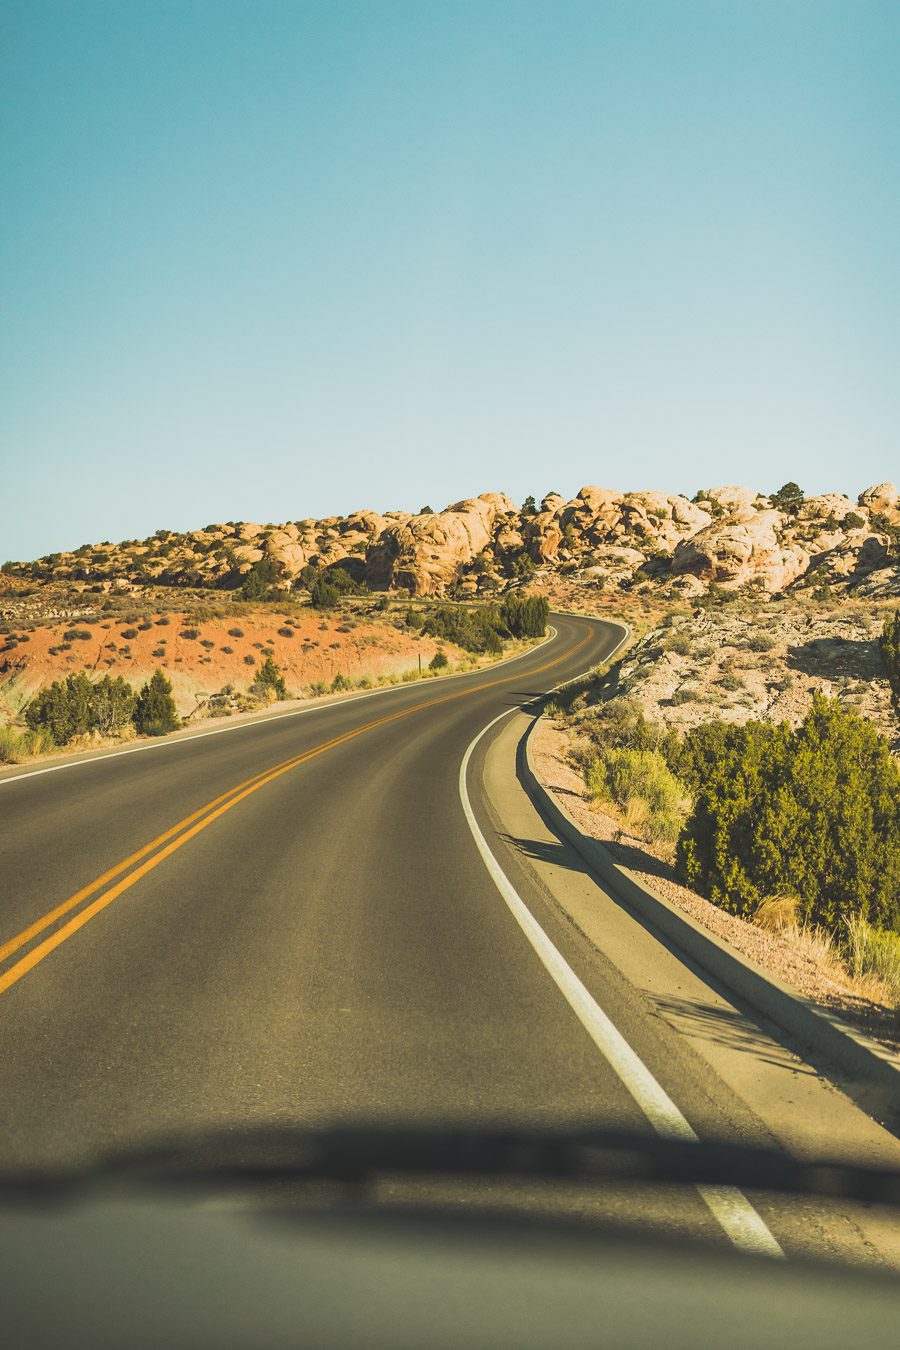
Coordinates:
[290,922]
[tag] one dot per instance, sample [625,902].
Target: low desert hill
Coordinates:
[731,537]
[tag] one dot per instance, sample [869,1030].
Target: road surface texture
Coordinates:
[291,922]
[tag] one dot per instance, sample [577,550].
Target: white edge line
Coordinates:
[168,741]
[734,1212]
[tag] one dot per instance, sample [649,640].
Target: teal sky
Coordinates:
[270,260]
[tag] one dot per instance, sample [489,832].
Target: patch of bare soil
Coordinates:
[801,961]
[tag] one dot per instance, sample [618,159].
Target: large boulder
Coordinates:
[740,549]
[883,499]
[426,552]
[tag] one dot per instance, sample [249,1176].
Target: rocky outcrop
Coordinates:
[426,553]
[727,536]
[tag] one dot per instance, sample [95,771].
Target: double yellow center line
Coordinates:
[165,844]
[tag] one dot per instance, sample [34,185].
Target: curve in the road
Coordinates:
[173,838]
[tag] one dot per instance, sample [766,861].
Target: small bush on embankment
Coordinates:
[641,784]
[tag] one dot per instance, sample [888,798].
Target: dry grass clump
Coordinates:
[652,803]
[874,953]
[17,746]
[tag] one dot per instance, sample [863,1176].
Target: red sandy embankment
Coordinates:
[200,656]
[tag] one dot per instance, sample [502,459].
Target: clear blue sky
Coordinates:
[268,260]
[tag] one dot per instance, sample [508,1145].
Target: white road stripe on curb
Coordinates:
[731,1207]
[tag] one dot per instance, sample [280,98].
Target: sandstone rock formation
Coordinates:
[727,536]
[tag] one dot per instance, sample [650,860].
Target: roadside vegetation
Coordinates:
[890,656]
[795,829]
[484,629]
[79,707]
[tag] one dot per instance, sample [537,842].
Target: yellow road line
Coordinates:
[192,825]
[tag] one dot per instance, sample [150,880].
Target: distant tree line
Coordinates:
[483,629]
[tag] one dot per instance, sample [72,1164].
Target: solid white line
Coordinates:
[731,1207]
[169,741]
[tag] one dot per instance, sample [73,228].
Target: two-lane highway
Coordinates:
[290,922]
[285,921]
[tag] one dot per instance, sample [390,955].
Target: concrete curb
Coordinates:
[869,1072]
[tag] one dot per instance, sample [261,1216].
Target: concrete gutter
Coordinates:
[867,1071]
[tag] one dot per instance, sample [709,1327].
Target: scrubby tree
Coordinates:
[529,507]
[890,655]
[881,524]
[438,661]
[263,575]
[62,709]
[323,594]
[155,712]
[112,705]
[789,498]
[525,616]
[269,681]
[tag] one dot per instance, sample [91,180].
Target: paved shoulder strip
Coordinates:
[740,1221]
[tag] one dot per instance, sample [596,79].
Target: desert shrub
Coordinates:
[155,712]
[890,655]
[525,616]
[74,707]
[227,650]
[339,577]
[641,784]
[323,595]
[249,660]
[382,604]
[158,652]
[475,630]
[881,524]
[163,622]
[438,661]
[129,633]
[340,683]
[813,813]
[761,642]
[207,643]
[621,724]
[189,633]
[269,681]
[62,709]
[680,643]
[687,693]
[236,632]
[286,632]
[414,618]
[259,580]
[731,682]
[145,625]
